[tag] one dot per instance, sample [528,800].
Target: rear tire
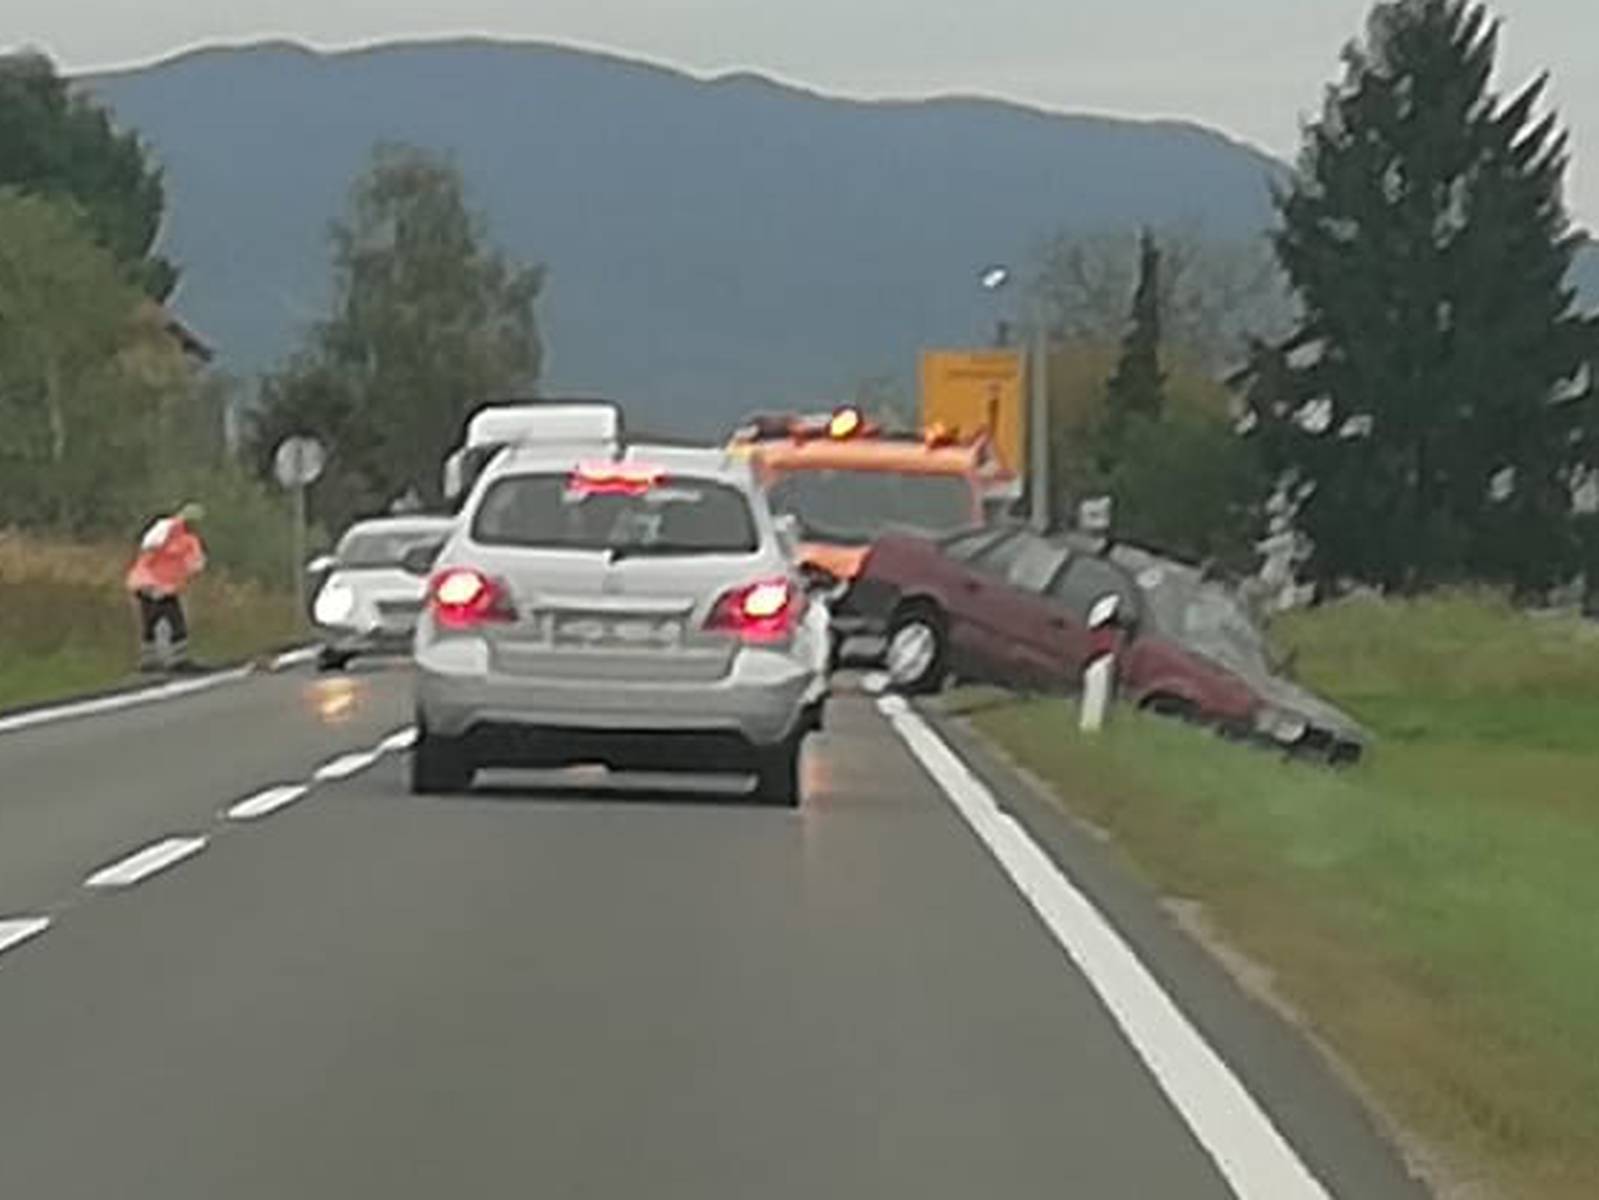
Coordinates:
[439,765]
[777,775]
[917,651]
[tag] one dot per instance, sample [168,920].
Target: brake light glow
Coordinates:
[766,611]
[462,598]
[614,479]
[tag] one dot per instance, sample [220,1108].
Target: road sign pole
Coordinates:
[299,554]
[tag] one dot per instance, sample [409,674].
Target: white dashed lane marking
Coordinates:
[345,766]
[395,742]
[266,803]
[140,866]
[16,930]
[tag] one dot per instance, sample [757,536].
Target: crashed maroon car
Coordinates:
[1010,607]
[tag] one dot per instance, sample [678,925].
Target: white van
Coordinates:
[596,423]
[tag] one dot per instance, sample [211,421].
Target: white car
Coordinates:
[366,601]
[642,610]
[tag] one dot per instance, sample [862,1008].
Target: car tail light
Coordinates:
[461,598]
[614,479]
[766,611]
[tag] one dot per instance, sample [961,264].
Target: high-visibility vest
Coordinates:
[170,554]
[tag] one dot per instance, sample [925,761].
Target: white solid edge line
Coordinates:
[345,765]
[106,704]
[264,804]
[294,658]
[142,864]
[402,739]
[1250,1152]
[16,930]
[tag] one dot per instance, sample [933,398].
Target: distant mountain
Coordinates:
[713,247]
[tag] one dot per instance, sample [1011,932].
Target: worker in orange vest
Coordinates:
[170,555]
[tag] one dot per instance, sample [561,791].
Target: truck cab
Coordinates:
[845,481]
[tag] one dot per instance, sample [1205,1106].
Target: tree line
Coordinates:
[105,421]
[1417,392]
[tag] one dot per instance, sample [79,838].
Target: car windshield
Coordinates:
[1204,616]
[667,515]
[372,549]
[858,506]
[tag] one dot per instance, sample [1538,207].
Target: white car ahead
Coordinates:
[642,611]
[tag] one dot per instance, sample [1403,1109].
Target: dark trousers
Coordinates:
[155,611]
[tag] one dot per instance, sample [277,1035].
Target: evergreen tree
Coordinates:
[1136,390]
[1438,393]
[60,144]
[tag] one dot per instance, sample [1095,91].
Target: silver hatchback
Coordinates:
[642,611]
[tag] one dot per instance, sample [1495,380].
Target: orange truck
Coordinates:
[845,481]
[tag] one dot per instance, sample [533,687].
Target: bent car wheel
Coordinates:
[439,765]
[777,775]
[915,657]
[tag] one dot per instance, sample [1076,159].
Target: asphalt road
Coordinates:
[566,990]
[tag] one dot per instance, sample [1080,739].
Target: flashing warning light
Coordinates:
[845,423]
[614,479]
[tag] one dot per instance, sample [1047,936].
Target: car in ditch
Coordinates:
[364,602]
[643,611]
[1007,606]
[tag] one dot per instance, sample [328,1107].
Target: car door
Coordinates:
[976,596]
[1086,580]
[1037,632]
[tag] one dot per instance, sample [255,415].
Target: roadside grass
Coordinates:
[67,626]
[1433,915]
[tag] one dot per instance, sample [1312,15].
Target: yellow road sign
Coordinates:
[977,390]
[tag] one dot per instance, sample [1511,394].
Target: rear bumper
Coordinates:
[764,700]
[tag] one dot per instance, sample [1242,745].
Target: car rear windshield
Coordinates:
[858,506]
[374,550]
[673,515]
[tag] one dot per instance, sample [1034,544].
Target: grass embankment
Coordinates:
[1433,914]
[67,626]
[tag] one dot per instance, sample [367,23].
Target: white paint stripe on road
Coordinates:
[264,804]
[345,766]
[140,866]
[122,700]
[16,930]
[395,742]
[294,658]
[1250,1152]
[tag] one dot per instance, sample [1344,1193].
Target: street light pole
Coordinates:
[1038,417]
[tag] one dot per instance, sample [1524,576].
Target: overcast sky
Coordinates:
[1250,67]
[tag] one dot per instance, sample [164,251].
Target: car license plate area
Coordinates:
[637,632]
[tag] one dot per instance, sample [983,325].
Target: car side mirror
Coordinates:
[1106,612]
[321,564]
[419,559]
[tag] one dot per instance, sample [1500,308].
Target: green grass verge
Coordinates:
[67,627]
[1433,913]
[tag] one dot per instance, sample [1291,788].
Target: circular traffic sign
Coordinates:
[299,461]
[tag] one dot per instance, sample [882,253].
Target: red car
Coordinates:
[1007,606]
